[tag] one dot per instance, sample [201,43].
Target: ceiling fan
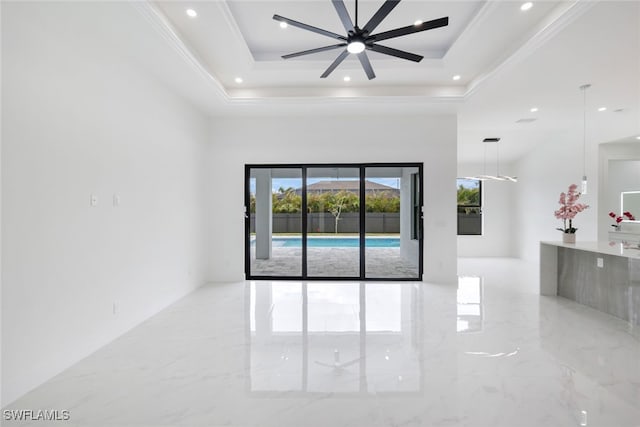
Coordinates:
[358,40]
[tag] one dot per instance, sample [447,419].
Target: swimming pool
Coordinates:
[336,242]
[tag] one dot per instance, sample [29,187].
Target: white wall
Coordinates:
[318,139]
[80,118]
[498,210]
[542,175]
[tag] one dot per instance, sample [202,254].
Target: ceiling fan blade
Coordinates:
[335,63]
[364,60]
[316,50]
[410,29]
[309,27]
[343,14]
[382,13]
[395,52]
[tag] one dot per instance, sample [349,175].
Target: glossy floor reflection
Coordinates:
[339,338]
[489,352]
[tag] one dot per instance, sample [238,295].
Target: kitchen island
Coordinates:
[601,275]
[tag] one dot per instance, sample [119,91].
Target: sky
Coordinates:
[276,183]
[468,183]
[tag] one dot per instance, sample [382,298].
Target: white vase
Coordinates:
[568,237]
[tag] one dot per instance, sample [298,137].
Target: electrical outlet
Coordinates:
[600,262]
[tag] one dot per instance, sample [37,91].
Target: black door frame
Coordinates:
[303,167]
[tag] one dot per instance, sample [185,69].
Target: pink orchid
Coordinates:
[620,218]
[569,208]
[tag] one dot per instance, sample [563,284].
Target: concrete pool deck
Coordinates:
[334,262]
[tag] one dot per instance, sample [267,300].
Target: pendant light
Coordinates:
[583,88]
[497,176]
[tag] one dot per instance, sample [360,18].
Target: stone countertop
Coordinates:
[607,248]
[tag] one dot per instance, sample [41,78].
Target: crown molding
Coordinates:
[223,7]
[477,19]
[161,24]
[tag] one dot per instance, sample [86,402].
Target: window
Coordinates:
[469,207]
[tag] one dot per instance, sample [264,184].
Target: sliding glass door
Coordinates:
[392,222]
[335,222]
[274,213]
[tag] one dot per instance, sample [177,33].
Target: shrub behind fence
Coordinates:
[325,223]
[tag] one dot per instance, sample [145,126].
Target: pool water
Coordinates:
[336,242]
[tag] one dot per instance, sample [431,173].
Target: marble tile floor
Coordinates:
[338,262]
[487,352]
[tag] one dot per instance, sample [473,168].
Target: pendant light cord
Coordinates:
[497,159]
[484,168]
[584,134]
[584,130]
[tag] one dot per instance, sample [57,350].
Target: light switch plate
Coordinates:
[93,201]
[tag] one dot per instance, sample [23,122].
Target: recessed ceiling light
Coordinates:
[534,109]
[456,77]
[191,13]
[602,109]
[526,6]
[346,78]
[418,22]
[239,80]
[283,25]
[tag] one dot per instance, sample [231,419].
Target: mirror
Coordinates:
[630,202]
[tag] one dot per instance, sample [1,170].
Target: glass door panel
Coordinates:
[392,222]
[333,222]
[275,215]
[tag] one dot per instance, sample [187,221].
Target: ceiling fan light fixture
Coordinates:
[526,6]
[356,47]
